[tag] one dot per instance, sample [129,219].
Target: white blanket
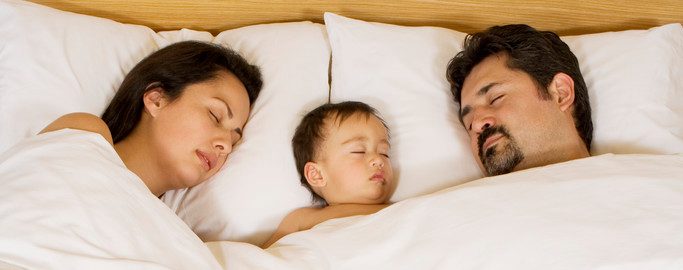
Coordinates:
[605,212]
[68,202]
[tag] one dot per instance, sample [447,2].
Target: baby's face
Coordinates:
[355,161]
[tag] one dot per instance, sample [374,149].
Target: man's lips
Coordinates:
[491,140]
[207,160]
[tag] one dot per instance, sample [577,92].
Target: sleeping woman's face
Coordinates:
[193,134]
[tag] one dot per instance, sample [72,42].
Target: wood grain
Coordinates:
[561,16]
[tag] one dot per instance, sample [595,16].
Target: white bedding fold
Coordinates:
[604,212]
[68,202]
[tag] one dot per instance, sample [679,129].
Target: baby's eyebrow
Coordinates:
[355,139]
[385,142]
[364,139]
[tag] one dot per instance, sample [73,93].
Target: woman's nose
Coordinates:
[223,146]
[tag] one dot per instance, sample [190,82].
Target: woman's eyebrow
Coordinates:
[230,115]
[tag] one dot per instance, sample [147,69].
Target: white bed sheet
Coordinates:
[68,202]
[604,212]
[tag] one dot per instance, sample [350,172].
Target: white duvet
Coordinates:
[605,212]
[68,202]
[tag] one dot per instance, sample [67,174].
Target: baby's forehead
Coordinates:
[335,121]
[338,118]
[364,125]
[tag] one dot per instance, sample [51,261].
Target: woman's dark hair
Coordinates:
[173,68]
[541,54]
[310,134]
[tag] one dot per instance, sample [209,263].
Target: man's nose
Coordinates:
[482,123]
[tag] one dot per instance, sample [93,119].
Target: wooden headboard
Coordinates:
[561,16]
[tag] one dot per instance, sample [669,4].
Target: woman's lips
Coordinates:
[205,159]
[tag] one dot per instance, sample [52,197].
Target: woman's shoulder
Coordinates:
[80,121]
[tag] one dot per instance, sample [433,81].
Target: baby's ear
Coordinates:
[313,175]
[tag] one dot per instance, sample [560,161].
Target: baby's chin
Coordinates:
[380,197]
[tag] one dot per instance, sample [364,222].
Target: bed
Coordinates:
[622,208]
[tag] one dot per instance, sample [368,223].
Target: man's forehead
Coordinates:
[486,69]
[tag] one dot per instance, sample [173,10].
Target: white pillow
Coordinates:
[259,184]
[401,71]
[635,83]
[54,62]
[170,37]
[633,77]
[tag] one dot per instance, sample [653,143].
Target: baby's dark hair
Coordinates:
[310,134]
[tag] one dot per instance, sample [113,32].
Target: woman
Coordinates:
[74,199]
[177,114]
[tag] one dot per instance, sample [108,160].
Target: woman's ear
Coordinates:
[562,89]
[154,99]
[313,175]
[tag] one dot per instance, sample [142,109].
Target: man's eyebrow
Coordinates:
[467,109]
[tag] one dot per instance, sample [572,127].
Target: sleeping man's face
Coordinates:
[511,127]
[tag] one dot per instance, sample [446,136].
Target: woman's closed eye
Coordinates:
[214,116]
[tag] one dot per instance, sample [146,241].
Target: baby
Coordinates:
[342,155]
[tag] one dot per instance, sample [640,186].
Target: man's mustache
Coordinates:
[488,132]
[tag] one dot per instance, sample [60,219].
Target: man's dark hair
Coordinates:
[541,54]
[173,68]
[309,135]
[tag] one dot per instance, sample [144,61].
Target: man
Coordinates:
[522,99]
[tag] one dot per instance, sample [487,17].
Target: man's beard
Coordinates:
[497,162]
